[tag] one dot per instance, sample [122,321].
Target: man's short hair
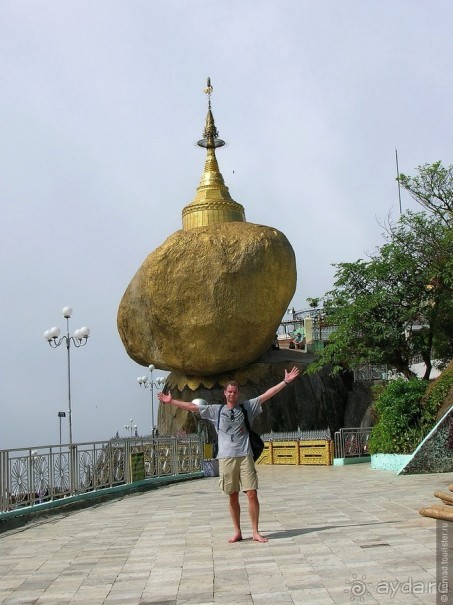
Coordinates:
[232,383]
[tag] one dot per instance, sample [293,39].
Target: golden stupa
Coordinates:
[210,299]
[212,203]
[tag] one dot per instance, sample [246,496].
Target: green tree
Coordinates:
[432,188]
[398,303]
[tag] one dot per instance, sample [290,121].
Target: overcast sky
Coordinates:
[101,105]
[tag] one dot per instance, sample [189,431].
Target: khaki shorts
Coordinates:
[237,474]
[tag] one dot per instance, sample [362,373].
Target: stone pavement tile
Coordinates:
[308,583]
[240,587]
[425,562]
[311,581]
[96,578]
[12,581]
[57,599]
[64,585]
[269,598]
[200,568]
[301,569]
[23,598]
[346,595]
[37,583]
[268,584]
[163,599]
[314,600]
[121,598]
[311,596]
[225,598]
[88,592]
[136,577]
[320,563]
[195,598]
[161,588]
[81,601]
[190,585]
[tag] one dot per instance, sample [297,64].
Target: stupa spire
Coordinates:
[212,203]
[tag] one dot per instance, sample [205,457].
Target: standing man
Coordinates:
[236,466]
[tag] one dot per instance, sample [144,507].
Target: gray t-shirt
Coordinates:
[232,433]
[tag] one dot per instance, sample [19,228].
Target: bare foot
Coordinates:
[259,538]
[236,538]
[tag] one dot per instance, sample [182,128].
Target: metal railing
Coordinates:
[371,371]
[29,476]
[352,442]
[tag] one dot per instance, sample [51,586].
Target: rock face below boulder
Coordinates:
[208,300]
[359,411]
[315,401]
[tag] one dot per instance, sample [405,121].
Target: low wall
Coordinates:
[389,462]
[316,451]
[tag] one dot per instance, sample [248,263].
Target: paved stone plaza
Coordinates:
[336,535]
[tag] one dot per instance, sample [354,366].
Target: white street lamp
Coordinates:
[131,427]
[151,384]
[79,339]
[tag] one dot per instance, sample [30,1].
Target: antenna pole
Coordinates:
[397,179]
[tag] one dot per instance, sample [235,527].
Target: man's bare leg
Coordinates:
[254,512]
[235,512]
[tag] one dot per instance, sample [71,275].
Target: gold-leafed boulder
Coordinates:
[209,299]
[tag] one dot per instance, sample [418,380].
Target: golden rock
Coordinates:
[209,299]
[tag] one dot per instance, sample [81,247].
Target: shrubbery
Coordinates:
[402,419]
[439,396]
[407,410]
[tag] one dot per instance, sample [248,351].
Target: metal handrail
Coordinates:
[352,442]
[29,476]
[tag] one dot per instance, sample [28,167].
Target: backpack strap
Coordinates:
[244,411]
[246,418]
[218,417]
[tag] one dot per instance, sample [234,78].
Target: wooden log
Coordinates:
[444,496]
[450,487]
[447,509]
[436,514]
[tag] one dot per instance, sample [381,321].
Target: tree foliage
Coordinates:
[432,187]
[396,304]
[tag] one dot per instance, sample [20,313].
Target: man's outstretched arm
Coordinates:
[184,405]
[289,377]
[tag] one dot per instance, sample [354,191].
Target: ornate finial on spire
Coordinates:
[210,138]
[208,91]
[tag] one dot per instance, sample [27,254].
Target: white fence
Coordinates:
[29,476]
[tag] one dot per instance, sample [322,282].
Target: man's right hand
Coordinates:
[164,397]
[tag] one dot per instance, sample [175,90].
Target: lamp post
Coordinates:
[151,384]
[79,339]
[131,427]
